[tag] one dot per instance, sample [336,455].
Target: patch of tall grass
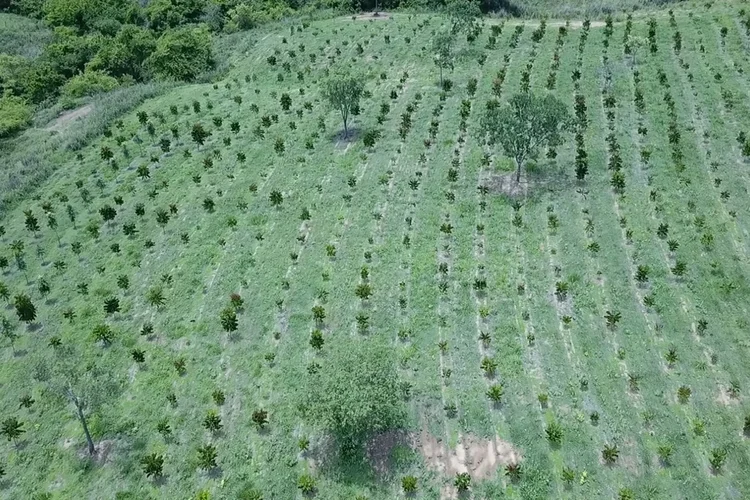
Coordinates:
[31,157]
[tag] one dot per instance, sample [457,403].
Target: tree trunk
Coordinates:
[346,131]
[82,418]
[518,171]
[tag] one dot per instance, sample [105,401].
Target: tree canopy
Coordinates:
[442,48]
[525,125]
[343,90]
[355,392]
[464,16]
[84,383]
[182,54]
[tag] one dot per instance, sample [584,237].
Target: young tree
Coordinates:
[155,297]
[355,393]
[212,422]
[527,124]
[343,90]
[276,198]
[462,482]
[12,428]
[86,384]
[31,222]
[25,308]
[199,134]
[442,48]
[207,457]
[260,418]
[153,465]
[8,331]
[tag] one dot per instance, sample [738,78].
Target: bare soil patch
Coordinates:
[104,452]
[725,397]
[373,16]
[506,184]
[67,118]
[574,25]
[477,456]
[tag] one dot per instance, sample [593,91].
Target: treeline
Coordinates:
[98,45]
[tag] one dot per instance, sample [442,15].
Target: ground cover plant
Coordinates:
[233,293]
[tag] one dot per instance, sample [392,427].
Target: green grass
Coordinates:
[583,367]
[22,36]
[580,8]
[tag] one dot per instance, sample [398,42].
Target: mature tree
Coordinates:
[163,14]
[442,48]
[343,91]
[464,16]
[182,54]
[86,384]
[355,393]
[126,53]
[527,124]
[80,14]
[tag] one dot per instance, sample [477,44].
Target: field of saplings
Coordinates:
[174,294]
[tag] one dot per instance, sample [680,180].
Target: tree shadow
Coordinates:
[159,481]
[500,6]
[215,472]
[381,458]
[342,140]
[536,180]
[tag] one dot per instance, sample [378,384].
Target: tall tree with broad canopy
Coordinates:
[343,90]
[181,54]
[442,48]
[85,384]
[464,16]
[525,125]
[355,393]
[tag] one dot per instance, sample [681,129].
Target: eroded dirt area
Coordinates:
[69,117]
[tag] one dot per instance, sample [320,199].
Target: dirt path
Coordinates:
[66,119]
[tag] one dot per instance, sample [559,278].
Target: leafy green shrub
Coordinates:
[248,16]
[126,53]
[89,83]
[355,393]
[15,114]
[182,54]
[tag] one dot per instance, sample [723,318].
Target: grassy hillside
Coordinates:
[21,36]
[571,9]
[613,309]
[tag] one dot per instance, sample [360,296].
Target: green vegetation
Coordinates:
[214,295]
[355,393]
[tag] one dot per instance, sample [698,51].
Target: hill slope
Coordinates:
[575,292]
